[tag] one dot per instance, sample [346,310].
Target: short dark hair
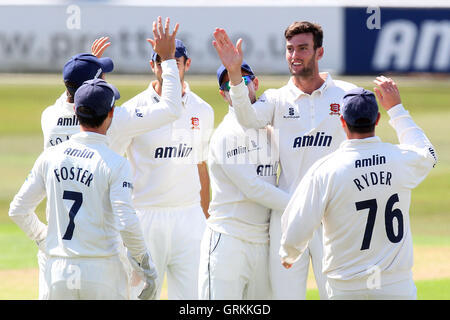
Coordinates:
[364,126]
[94,122]
[71,88]
[299,27]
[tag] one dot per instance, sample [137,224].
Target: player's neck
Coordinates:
[309,84]
[354,135]
[94,130]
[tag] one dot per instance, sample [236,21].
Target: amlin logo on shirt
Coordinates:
[291,114]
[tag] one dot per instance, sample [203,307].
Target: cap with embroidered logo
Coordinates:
[96,95]
[85,66]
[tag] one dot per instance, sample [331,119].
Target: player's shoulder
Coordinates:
[343,85]
[330,164]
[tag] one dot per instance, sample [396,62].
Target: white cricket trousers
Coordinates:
[173,237]
[290,284]
[401,290]
[101,278]
[233,269]
[43,289]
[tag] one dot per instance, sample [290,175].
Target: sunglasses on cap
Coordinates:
[247,79]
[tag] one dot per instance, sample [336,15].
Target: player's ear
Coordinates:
[152,65]
[343,123]
[378,119]
[319,53]
[187,64]
[256,83]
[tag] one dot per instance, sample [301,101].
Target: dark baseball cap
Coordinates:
[180,50]
[221,72]
[85,66]
[359,107]
[97,95]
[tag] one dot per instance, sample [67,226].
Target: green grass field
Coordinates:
[24,97]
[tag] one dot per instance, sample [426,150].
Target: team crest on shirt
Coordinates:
[195,122]
[335,109]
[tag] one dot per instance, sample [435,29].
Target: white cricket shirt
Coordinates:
[59,121]
[164,161]
[88,189]
[309,125]
[243,172]
[361,193]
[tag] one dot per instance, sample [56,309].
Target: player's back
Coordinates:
[366,221]
[77,175]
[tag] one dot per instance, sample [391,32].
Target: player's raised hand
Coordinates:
[387,92]
[164,41]
[99,46]
[231,55]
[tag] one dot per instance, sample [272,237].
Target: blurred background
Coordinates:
[407,40]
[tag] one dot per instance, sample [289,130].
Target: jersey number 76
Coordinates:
[389,216]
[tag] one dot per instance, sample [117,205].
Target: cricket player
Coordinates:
[243,169]
[306,114]
[171,179]
[89,209]
[361,193]
[59,121]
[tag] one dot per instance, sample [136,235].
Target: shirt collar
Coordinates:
[296,93]
[89,137]
[354,143]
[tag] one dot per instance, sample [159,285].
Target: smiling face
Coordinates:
[302,58]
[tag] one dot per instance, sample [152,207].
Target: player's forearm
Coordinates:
[133,238]
[21,209]
[205,190]
[408,132]
[244,177]
[30,224]
[246,113]
[171,87]
[303,215]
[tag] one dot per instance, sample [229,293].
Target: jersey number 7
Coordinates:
[77,197]
[389,216]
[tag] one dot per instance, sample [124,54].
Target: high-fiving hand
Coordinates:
[231,55]
[387,92]
[99,46]
[164,41]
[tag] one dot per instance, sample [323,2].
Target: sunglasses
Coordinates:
[226,85]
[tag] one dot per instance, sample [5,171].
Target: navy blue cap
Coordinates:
[85,66]
[221,72]
[97,95]
[359,104]
[180,50]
